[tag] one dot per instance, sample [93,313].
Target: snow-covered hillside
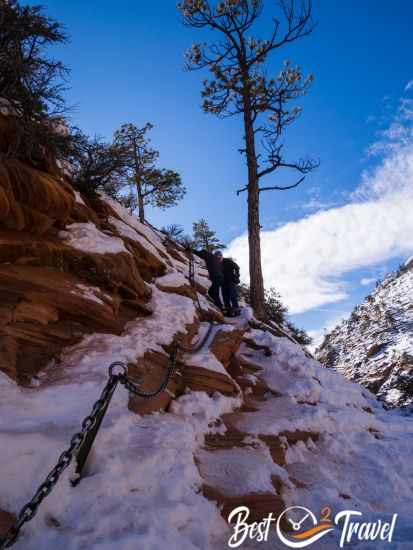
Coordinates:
[375,345]
[249,419]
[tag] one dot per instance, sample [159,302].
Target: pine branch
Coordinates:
[277,188]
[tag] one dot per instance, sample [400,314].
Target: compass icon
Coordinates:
[305,529]
[298,515]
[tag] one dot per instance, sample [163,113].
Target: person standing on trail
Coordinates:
[214,265]
[230,284]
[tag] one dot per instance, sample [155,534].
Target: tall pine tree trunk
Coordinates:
[254,238]
[141,207]
[138,181]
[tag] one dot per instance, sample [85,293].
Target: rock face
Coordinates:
[54,286]
[375,345]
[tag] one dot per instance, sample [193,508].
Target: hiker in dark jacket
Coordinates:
[214,265]
[230,286]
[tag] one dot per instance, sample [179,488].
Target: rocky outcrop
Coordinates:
[60,275]
[375,345]
[31,200]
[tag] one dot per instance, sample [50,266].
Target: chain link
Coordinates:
[191,274]
[139,392]
[191,278]
[29,510]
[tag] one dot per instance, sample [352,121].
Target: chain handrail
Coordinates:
[192,282]
[133,388]
[86,435]
[200,343]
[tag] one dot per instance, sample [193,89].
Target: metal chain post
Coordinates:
[82,441]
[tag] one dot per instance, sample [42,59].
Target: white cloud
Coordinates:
[305,260]
[365,281]
[316,204]
[399,134]
[409,85]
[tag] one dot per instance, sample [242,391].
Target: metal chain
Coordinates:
[200,343]
[191,277]
[29,510]
[191,274]
[133,388]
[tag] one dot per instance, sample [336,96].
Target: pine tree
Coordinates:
[173,231]
[157,187]
[240,85]
[187,241]
[205,237]
[98,165]
[32,83]
[274,307]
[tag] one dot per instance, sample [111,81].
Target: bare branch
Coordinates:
[277,188]
[302,166]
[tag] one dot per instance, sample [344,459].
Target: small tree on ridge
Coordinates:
[158,187]
[98,165]
[173,231]
[205,237]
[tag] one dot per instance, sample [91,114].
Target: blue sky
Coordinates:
[127,66]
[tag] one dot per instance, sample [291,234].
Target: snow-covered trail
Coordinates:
[141,483]
[142,486]
[348,452]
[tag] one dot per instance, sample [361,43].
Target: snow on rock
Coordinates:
[199,409]
[88,238]
[230,469]
[205,358]
[152,236]
[354,441]
[142,486]
[78,198]
[128,232]
[90,359]
[375,345]
[142,475]
[92,293]
[172,280]
[202,281]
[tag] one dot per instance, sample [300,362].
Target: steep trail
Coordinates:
[252,419]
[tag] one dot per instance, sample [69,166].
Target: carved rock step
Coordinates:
[221,462]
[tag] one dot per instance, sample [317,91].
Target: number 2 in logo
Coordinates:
[326,514]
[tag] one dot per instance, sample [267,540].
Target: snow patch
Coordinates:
[88,238]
